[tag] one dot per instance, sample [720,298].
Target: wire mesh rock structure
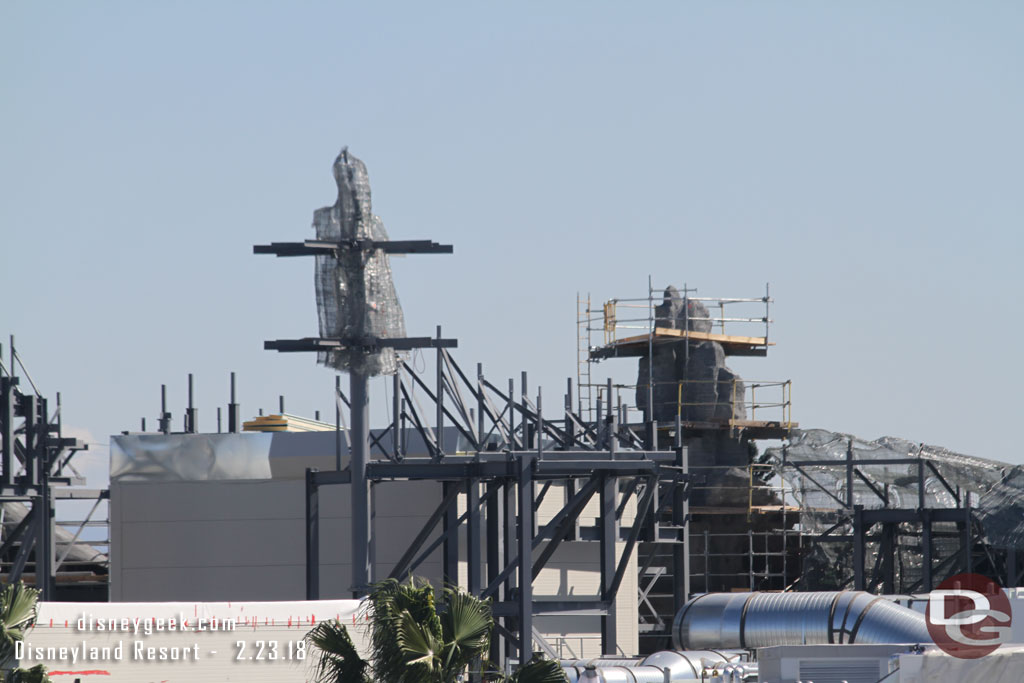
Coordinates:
[355,293]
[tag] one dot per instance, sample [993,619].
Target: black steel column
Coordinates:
[45,542]
[360,487]
[396,414]
[525,547]
[45,550]
[7,385]
[33,466]
[439,402]
[473,559]
[849,474]
[968,535]
[495,556]
[858,547]
[570,424]
[609,535]
[312,536]
[337,423]
[927,582]
[887,550]
[450,547]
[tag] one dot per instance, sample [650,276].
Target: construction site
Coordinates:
[684,526]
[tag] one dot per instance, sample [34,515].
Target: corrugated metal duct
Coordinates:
[753,620]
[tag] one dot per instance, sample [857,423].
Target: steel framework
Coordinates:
[858,525]
[516,455]
[36,468]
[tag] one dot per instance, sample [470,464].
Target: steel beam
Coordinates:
[609,536]
[524,537]
[473,556]
[927,581]
[7,398]
[360,486]
[312,536]
[858,547]
[495,550]
[450,550]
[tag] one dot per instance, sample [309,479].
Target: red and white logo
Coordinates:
[968,616]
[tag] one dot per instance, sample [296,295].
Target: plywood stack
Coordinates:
[285,423]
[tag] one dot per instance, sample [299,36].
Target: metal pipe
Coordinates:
[191,421]
[662,666]
[753,620]
[439,417]
[165,417]
[234,413]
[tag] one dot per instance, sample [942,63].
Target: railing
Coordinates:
[637,315]
[768,401]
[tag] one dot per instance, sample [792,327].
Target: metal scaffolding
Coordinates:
[36,470]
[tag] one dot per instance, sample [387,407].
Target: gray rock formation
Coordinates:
[693,371]
[355,295]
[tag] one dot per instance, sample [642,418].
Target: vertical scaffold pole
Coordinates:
[680,518]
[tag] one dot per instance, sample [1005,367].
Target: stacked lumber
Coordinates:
[285,423]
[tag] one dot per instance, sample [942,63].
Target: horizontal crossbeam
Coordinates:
[322,247]
[364,343]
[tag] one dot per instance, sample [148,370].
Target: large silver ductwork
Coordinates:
[753,620]
[656,668]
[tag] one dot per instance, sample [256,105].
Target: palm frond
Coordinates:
[539,670]
[466,625]
[337,660]
[389,600]
[36,674]
[17,613]
[420,645]
[18,606]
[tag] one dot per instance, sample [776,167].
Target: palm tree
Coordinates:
[411,643]
[17,614]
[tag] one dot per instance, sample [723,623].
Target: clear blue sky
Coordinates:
[865,158]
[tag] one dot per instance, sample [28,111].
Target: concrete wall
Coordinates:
[245,540]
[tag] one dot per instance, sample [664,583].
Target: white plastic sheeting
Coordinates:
[996,488]
[190,457]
